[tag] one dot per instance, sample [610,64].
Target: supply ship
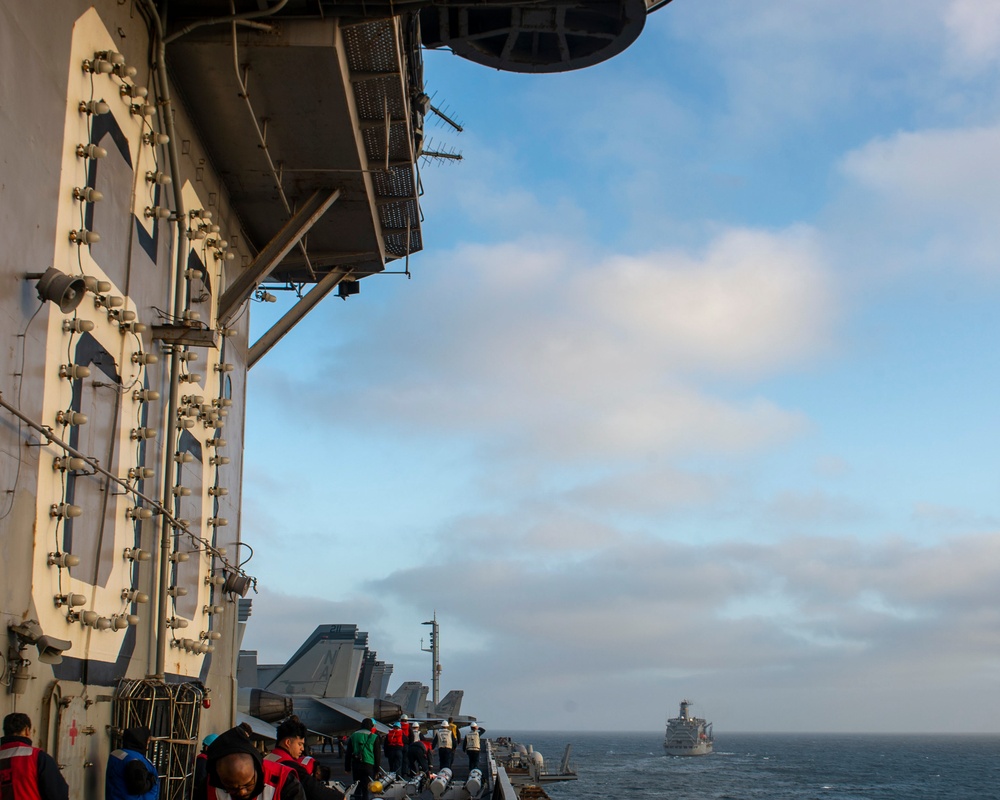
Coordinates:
[687,735]
[167,165]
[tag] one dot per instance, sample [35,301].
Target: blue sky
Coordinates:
[692,393]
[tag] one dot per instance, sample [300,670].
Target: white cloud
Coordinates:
[566,355]
[926,199]
[755,301]
[768,619]
[974,28]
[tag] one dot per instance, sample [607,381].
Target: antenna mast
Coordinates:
[435,651]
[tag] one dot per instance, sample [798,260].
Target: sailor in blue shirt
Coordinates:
[130,775]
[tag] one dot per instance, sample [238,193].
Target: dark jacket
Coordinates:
[51,784]
[130,775]
[237,740]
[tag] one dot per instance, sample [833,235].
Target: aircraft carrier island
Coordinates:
[162,171]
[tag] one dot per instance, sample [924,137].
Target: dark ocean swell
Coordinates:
[630,766]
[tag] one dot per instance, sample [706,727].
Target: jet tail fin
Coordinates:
[410,696]
[451,705]
[326,665]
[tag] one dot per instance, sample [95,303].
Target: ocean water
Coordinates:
[631,766]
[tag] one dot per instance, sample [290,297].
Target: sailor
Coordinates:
[363,756]
[394,745]
[129,773]
[455,738]
[404,723]
[445,745]
[201,761]
[288,751]
[26,772]
[471,745]
[416,753]
[235,771]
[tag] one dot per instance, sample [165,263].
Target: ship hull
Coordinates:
[687,735]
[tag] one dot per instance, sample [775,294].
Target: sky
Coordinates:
[692,393]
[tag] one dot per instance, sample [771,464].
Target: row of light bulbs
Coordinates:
[107,62]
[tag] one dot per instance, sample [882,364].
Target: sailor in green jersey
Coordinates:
[363,756]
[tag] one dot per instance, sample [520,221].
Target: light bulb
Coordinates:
[71,417]
[65,463]
[73,371]
[94,107]
[77,325]
[70,600]
[90,151]
[95,286]
[65,510]
[83,236]
[87,195]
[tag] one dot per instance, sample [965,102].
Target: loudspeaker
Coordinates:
[62,289]
[50,649]
[236,584]
[346,288]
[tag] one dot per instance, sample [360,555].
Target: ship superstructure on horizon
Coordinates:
[166,173]
[687,735]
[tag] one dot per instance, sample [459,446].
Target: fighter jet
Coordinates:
[411,696]
[332,682]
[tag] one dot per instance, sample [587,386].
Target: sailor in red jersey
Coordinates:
[27,773]
[237,772]
[291,743]
[393,747]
